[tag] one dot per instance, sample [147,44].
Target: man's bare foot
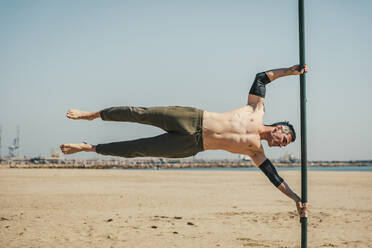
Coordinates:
[74,148]
[76,114]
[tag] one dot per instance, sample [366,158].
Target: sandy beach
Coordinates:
[170,208]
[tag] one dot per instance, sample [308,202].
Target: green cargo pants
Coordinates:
[183,138]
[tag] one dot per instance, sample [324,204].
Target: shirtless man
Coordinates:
[190,130]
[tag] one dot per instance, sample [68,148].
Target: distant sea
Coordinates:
[313,168]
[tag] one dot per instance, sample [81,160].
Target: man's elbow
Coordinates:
[269,170]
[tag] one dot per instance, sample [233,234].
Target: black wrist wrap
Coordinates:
[258,87]
[270,171]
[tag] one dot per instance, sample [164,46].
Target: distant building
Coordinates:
[288,158]
[244,157]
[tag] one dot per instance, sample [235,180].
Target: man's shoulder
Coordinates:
[257,157]
[255,150]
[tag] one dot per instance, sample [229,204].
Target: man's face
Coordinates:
[278,138]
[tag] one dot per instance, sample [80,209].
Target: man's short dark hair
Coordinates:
[287,128]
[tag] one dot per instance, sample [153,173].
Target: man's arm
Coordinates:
[302,209]
[282,72]
[258,90]
[269,170]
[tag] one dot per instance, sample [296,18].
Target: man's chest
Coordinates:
[241,143]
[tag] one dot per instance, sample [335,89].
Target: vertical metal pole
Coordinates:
[303,122]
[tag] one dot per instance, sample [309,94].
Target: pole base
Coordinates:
[303,232]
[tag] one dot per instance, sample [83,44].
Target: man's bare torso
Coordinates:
[236,131]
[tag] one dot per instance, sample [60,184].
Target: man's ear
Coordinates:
[275,129]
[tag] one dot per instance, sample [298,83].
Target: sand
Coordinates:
[170,208]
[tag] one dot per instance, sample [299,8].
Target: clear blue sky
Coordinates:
[56,55]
